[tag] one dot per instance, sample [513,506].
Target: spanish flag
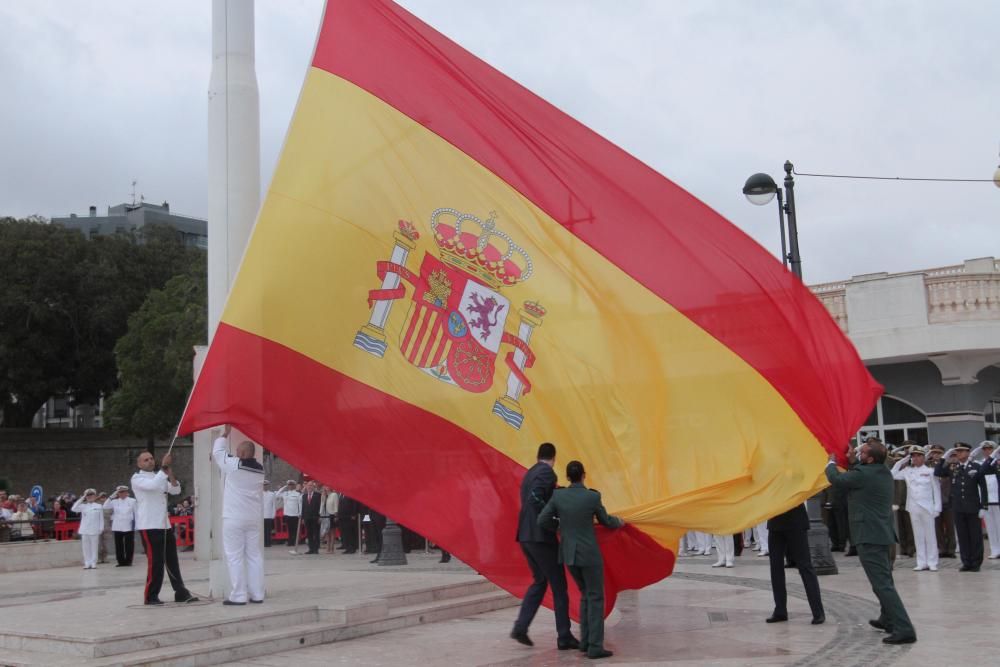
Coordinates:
[448,271]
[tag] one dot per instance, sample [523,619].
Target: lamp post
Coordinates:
[760,189]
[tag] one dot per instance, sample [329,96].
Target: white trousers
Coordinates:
[726,547]
[241,541]
[761,530]
[924,537]
[705,542]
[993,530]
[89,544]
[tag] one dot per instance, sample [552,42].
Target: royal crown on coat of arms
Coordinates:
[457,318]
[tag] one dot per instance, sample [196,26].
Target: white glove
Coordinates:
[982,514]
[975,452]
[895,508]
[948,454]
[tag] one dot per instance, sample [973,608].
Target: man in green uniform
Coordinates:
[576,508]
[870,490]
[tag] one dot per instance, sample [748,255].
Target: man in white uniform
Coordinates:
[122,508]
[270,509]
[923,502]
[989,451]
[291,503]
[151,489]
[242,506]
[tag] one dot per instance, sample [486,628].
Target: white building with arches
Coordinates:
[932,338]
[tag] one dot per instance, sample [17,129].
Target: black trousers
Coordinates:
[840,527]
[795,544]
[268,529]
[292,523]
[312,533]
[124,546]
[944,526]
[970,538]
[546,570]
[161,553]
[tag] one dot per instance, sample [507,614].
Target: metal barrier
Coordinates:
[183,527]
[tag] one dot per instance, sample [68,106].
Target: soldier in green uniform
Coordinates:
[576,508]
[870,489]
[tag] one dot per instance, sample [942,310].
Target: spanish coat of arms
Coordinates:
[457,319]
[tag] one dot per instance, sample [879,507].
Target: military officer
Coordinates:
[989,450]
[869,484]
[242,507]
[923,504]
[576,508]
[904,525]
[969,501]
[944,524]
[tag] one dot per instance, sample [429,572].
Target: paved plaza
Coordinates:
[699,616]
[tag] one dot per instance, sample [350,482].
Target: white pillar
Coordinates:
[233,201]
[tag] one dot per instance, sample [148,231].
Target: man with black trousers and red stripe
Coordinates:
[151,489]
[541,549]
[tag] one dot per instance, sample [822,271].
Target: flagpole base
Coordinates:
[392,545]
[372,340]
[819,540]
[509,410]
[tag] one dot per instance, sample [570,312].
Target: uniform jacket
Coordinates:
[869,506]
[794,519]
[922,488]
[536,490]
[91,517]
[151,491]
[122,513]
[577,507]
[968,486]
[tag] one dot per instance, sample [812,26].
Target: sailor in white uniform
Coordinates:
[122,508]
[91,526]
[923,502]
[242,507]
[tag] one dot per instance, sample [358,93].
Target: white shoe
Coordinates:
[919,569]
[718,564]
[763,553]
[729,565]
[932,569]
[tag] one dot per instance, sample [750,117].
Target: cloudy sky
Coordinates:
[97,93]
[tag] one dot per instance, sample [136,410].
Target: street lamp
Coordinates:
[760,189]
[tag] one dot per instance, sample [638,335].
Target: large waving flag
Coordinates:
[448,271]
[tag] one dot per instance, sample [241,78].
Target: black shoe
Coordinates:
[373,560]
[445,560]
[600,653]
[154,602]
[187,598]
[946,556]
[851,552]
[965,568]
[776,618]
[120,565]
[899,639]
[568,644]
[878,625]
[521,638]
[350,551]
[230,603]
[582,648]
[819,620]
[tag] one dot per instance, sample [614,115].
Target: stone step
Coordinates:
[193,630]
[252,640]
[254,644]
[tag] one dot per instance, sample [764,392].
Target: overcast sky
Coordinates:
[97,93]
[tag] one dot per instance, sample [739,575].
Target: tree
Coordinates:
[155,356]
[66,300]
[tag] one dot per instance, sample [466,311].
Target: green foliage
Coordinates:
[155,357]
[66,300]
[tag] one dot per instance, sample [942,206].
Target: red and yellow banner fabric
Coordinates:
[448,271]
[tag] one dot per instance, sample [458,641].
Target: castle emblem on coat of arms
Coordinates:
[458,320]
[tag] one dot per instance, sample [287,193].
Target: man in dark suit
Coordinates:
[969,502]
[869,485]
[787,535]
[310,515]
[347,518]
[541,550]
[944,524]
[576,508]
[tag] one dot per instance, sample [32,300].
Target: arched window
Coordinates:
[893,421]
[991,415]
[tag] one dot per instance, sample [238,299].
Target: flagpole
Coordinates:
[233,202]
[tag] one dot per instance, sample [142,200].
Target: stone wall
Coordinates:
[74,459]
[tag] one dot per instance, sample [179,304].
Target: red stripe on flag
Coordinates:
[418,312]
[674,244]
[431,337]
[418,342]
[446,484]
